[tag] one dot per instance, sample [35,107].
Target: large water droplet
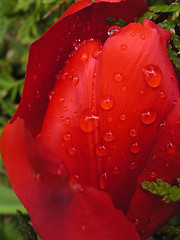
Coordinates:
[101,151]
[133,132]
[132,165]
[107,102]
[134,147]
[71,150]
[113,30]
[170,148]
[67,137]
[88,121]
[123,47]
[108,136]
[118,77]
[123,117]
[152,75]
[75,80]
[148,116]
[84,57]
[68,121]
[102,180]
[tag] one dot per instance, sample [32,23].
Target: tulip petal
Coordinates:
[164,163]
[58,209]
[47,55]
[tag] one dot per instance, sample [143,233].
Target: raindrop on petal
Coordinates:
[134,147]
[107,102]
[152,75]
[108,136]
[170,148]
[118,77]
[148,116]
[102,180]
[101,150]
[88,121]
[71,151]
[113,30]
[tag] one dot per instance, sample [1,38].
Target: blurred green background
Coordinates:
[21,23]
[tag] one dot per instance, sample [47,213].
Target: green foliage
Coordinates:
[25,229]
[161,188]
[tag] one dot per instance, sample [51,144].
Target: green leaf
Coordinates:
[165,8]
[9,203]
[161,188]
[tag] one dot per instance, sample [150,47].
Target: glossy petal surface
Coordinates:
[107,108]
[40,180]
[164,163]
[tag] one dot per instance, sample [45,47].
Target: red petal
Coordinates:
[164,163]
[104,125]
[58,210]
[137,102]
[48,54]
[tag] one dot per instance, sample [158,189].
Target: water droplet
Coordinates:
[173,78]
[88,121]
[29,107]
[118,77]
[133,34]
[123,47]
[178,122]
[170,148]
[148,116]
[152,75]
[67,137]
[153,174]
[35,76]
[101,150]
[74,178]
[142,36]
[132,132]
[50,95]
[37,176]
[84,57]
[108,136]
[124,89]
[71,151]
[68,121]
[61,100]
[75,80]
[61,119]
[162,94]
[37,94]
[141,91]
[102,180]
[38,136]
[135,221]
[132,165]
[107,102]
[62,144]
[113,30]
[58,58]
[75,114]
[123,117]
[153,157]
[163,123]
[49,135]
[96,53]
[65,108]
[116,170]
[134,147]
[109,120]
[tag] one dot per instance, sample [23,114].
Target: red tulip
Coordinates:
[98,116]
